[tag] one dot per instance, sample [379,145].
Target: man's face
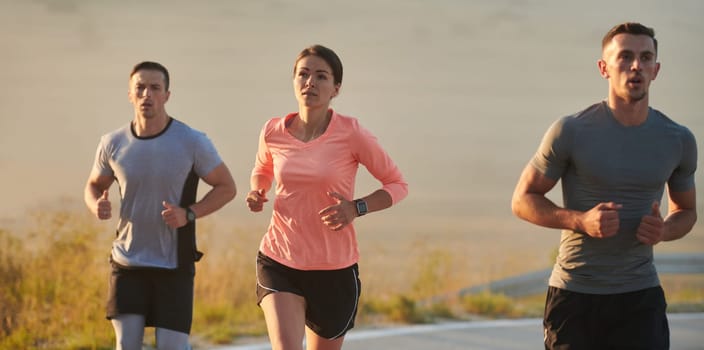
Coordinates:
[629,62]
[147,93]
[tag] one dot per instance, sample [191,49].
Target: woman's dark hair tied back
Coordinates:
[327,55]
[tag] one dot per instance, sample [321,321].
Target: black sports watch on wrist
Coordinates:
[190,215]
[361,206]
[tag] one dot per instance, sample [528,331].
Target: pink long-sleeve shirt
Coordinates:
[305,172]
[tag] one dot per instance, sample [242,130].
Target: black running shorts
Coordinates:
[164,297]
[331,296]
[634,320]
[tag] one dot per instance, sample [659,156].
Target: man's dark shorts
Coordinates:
[634,320]
[331,295]
[164,297]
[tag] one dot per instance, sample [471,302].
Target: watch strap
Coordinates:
[190,214]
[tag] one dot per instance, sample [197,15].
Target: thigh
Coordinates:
[129,292]
[285,319]
[642,321]
[172,304]
[570,320]
[167,339]
[316,342]
[273,277]
[129,331]
[332,298]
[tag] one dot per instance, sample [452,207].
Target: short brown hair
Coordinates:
[629,28]
[327,55]
[148,65]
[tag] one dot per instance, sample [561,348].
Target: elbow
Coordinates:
[516,205]
[396,191]
[231,191]
[520,206]
[517,212]
[692,221]
[89,196]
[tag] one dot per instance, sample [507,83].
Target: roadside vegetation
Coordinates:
[54,272]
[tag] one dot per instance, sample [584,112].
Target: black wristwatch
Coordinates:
[190,215]
[361,206]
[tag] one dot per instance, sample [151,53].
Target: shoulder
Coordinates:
[345,119]
[117,136]
[593,114]
[565,130]
[180,129]
[347,124]
[180,133]
[670,125]
[276,124]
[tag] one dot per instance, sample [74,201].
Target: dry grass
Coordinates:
[54,271]
[53,284]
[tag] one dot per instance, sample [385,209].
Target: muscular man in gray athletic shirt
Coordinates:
[614,160]
[600,160]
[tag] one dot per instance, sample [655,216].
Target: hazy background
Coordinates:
[458,92]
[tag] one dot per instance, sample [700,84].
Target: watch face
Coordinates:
[190,215]
[361,207]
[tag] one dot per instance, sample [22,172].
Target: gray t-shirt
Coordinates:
[600,160]
[164,167]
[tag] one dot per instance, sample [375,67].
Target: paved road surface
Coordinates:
[686,333]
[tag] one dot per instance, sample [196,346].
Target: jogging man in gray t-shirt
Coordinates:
[157,162]
[613,159]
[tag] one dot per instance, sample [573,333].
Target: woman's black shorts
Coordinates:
[331,296]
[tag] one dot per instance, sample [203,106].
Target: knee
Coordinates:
[171,340]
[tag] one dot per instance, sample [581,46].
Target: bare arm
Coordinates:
[529,203]
[222,191]
[95,196]
[682,214]
[377,200]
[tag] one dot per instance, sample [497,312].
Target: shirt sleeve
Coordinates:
[206,156]
[682,178]
[263,162]
[552,157]
[101,165]
[368,152]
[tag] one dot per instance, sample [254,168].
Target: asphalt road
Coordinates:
[686,333]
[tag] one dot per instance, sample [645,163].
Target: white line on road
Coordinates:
[395,331]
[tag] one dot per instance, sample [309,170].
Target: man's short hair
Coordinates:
[149,65]
[629,28]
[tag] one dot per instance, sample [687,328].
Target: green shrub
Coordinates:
[489,304]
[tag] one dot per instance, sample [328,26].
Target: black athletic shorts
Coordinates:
[634,320]
[164,297]
[331,295]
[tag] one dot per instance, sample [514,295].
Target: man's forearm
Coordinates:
[679,223]
[215,199]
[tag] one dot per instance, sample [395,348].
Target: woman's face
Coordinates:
[314,83]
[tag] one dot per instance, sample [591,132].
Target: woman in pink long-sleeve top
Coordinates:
[307,274]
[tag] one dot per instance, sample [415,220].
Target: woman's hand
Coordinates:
[339,214]
[256,199]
